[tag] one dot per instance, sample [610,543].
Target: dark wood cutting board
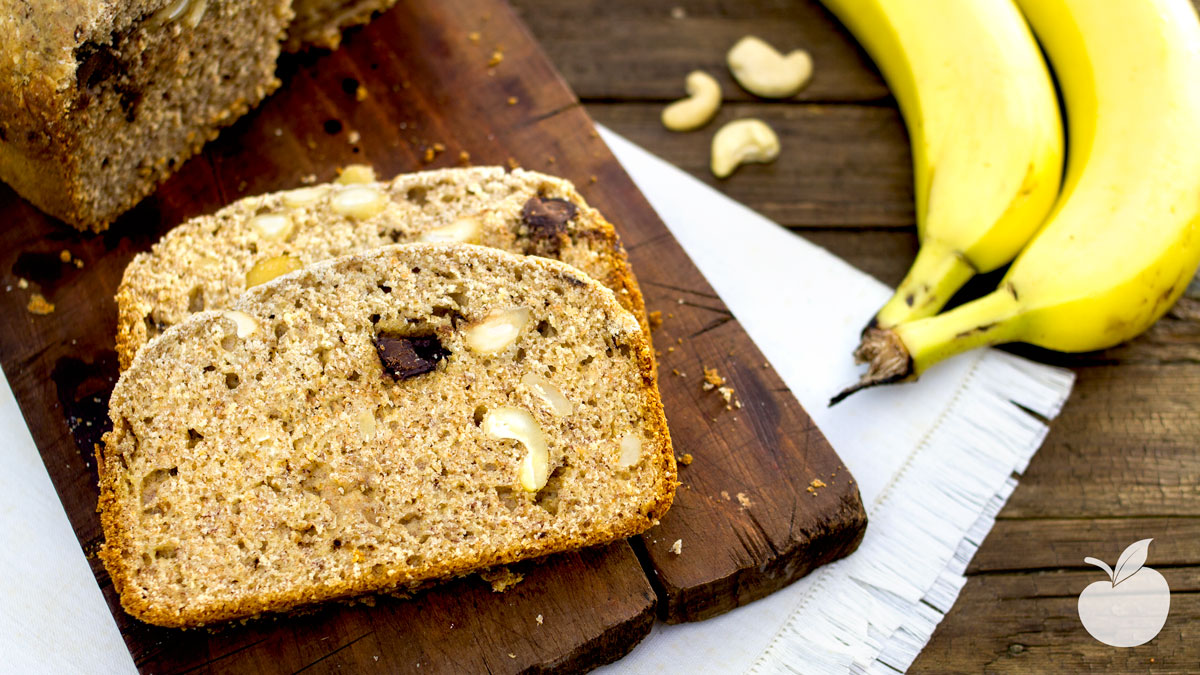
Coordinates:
[746,521]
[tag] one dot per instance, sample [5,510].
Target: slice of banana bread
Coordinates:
[100,101]
[319,23]
[373,422]
[207,262]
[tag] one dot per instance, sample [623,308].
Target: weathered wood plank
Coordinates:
[1029,623]
[840,165]
[1062,543]
[1125,445]
[631,50]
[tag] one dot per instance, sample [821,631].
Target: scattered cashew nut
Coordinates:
[741,141]
[763,71]
[693,112]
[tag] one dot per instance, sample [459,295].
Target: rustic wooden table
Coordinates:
[1120,464]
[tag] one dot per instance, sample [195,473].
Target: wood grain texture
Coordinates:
[433,100]
[840,165]
[1119,464]
[631,50]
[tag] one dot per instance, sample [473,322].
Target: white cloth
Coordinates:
[934,461]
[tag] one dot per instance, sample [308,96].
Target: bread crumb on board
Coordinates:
[713,380]
[39,305]
[540,621]
[686,458]
[655,319]
[677,547]
[812,487]
[744,500]
[501,578]
[497,57]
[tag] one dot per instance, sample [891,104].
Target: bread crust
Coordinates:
[119,550]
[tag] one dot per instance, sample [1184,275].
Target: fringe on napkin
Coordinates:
[878,608]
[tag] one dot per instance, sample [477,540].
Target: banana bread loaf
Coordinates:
[206,263]
[374,422]
[100,101]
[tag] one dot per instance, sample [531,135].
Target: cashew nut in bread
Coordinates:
[763,71]
[693,112]
[741,141]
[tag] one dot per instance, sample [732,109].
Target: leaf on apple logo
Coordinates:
[1102,565]
[1131,560]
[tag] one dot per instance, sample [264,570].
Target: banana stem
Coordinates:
[902,353]
[990,320]
[937,273]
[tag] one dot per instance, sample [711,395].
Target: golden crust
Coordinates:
[118,550]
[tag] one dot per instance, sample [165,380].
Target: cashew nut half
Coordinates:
[763,71]
[742,141]
[693,112]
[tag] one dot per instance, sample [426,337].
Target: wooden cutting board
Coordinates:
[448,82]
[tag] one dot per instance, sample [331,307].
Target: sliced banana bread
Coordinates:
[319,23]
[208,262]
[100,101]
[374,422]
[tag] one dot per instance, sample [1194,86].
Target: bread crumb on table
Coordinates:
[686,459]
[539,620]
[812,487]
[65,256]
[39,305]
[22,283]
[497,57]
[744,500]
[677,547]
[473,36]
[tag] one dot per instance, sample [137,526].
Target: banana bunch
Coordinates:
[1122,239]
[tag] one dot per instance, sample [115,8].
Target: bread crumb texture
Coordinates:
[501,578]
[39,305]
[263,458]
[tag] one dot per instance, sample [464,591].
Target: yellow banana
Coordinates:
[1123,240]
[986,134]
